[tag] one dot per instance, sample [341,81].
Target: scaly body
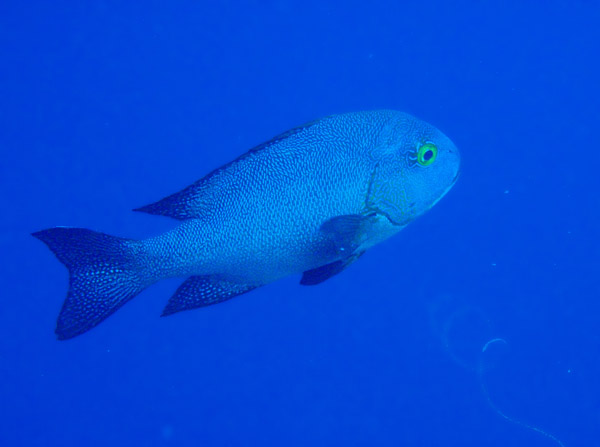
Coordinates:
[311,200]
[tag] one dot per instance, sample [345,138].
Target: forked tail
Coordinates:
[105,272]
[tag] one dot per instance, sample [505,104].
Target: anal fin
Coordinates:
[200,291]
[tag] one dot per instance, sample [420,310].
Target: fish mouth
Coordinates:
[455,179]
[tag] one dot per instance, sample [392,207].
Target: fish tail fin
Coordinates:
[104,273]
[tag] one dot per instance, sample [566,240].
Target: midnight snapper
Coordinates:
[311,200]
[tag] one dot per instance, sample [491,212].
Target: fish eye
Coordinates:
[427,154]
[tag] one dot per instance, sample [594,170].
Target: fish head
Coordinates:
[416,168]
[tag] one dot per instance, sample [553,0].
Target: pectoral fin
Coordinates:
[348,232]
[323,273]
[200,291]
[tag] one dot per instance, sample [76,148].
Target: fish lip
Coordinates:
[446,191]
[455,179]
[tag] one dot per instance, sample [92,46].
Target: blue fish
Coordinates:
[311,200]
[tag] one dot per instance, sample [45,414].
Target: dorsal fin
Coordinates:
[193,201]
[185,204]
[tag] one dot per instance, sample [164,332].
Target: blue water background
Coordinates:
[106,106]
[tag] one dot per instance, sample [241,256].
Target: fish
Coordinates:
[310,201]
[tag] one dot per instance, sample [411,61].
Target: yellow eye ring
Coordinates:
[427,154]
